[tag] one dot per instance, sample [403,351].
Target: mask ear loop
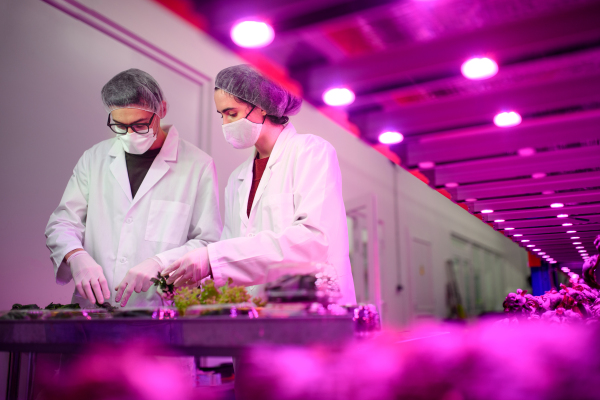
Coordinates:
[253,107]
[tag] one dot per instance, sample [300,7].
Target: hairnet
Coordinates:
[134,89]
[249,85]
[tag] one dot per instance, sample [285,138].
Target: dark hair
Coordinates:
[133,86]
[272,118]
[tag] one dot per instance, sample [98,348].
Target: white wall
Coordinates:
[52,68]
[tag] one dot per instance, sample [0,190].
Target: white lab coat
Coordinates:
[175,210]
[298,215]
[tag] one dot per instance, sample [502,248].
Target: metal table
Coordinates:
[204,336]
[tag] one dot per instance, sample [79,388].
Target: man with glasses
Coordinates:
[135,203]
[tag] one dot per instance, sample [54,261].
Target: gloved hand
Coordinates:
[189,269]
[590,271]
[137,279]
[89,277]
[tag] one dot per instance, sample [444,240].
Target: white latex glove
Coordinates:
[89,277]
[137,279]
[189,269]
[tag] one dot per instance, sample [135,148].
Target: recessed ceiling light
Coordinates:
[525,240]
[567,224]
[538,175]
[508,229]
[426,164]
[557,205]
[451,185]
[553,262]
[571,231]
[531,245]
[487,211]
[338,97]
[498,220]
[518,234]
[582,251]
[391,138]
[562,216]
[576,242]
[526,151]
[574,237]
[548,192]
[507,119]
[252,34]
[537,249]
[470,200]
[580,247]
[542,253]
[479,68]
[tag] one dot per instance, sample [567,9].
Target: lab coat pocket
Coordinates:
[167,222]
[278,211]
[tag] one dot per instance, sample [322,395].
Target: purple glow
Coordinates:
[499,220]
[542,253]
[540,175]
[339,97]
[507,119]
[391,137]
[471,201]
[562,216]
[567,224]
[526,152]
[479,68]
[252,34]
[426,165]
[565,269]
[546,192]
[451,185]
[487,212]
[557,205]
[553,262]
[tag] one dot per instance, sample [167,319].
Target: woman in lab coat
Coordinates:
[135,203]
[283,204]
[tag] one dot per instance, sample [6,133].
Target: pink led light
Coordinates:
[571,231]
[507,119]
[575,237]
[524,240]
[518,234]
[498,220]
[479,68]
[426,165]
[580,247]
[537,249]
[557,205]
[508,229]
[391,137]
[562,216]
[526,152]
[576,242]
[539,175]
[339,97]
[252,34]
[451,185]
[582,251]
[565,269]
[487,211]
[470,200]
[546,192]
[567,224]
[553,262]
[542,253]
[531,245]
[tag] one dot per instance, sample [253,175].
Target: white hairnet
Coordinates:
[245,82]
[134,88]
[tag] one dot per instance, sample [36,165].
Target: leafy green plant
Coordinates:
[209,294]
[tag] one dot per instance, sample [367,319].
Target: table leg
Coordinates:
[31,375]
[14,369]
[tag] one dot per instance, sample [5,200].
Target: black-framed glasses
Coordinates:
[138,127]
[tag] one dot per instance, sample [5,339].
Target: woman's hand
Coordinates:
[189,269]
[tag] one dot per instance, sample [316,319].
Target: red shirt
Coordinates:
[257,172]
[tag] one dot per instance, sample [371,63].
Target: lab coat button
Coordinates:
[129,220]
[123,260]
[251,235]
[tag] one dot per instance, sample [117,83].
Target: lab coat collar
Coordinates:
[246,174]
[157,170]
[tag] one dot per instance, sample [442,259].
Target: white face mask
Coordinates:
[134,143]
[242,133]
